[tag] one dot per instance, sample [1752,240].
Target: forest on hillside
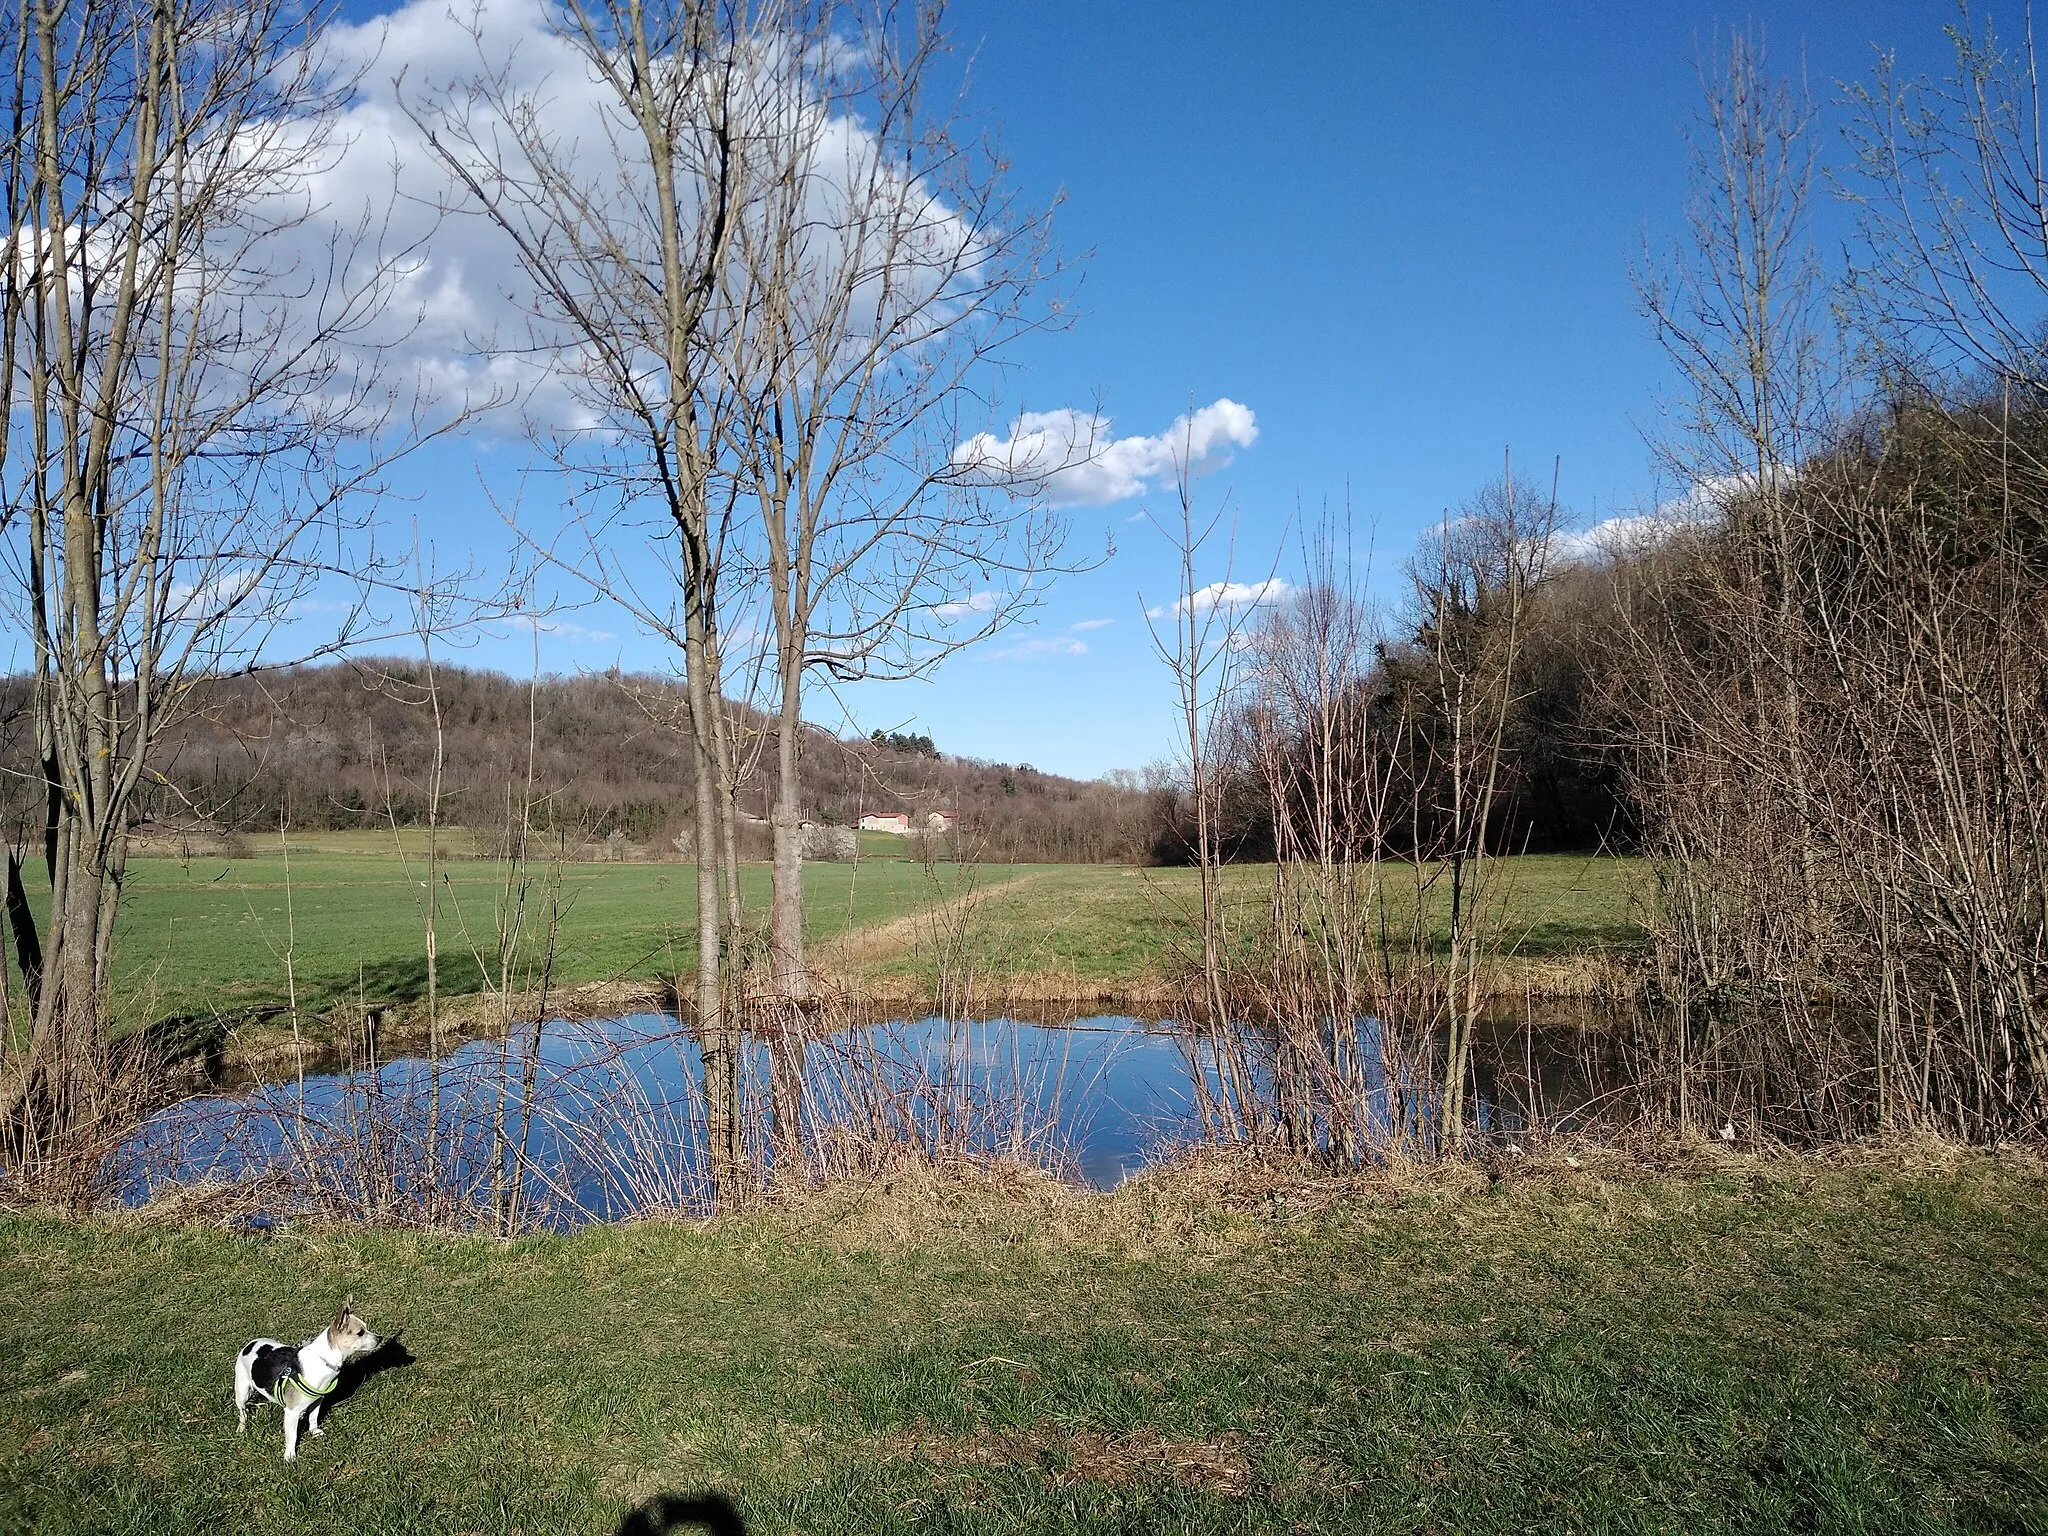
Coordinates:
[357,744]
[605,758]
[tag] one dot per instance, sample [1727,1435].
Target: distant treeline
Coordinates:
[353,744]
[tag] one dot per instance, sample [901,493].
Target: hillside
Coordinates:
[352,745]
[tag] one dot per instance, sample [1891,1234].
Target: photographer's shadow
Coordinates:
[669,1512]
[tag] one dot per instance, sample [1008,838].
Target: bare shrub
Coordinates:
[1349,1010]
[1829,676]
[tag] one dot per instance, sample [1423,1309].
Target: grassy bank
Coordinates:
[1765,1347]
[210,936]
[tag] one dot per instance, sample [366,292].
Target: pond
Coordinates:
[594,1120]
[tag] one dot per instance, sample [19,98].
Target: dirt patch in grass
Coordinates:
[1066,1458]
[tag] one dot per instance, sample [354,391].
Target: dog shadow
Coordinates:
[391,1355]
[671,1512]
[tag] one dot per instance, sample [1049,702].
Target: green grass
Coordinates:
[209,936]
[1797,1349]
[886,845]
[1091,926]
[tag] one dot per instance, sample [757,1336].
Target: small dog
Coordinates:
[299,1380]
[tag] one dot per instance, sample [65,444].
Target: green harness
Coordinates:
[295,1379]
[300,1382]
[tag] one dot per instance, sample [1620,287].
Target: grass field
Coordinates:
[210,935]
[1773,1347]
[1042,928]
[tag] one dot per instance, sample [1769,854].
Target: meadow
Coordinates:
[209,937]
[1736,1345]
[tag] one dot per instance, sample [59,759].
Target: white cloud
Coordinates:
[1043,645]
[457,317]
[568,629]
[1088,624]
[1070,459]
[960,608]
[211,599]
[1223,594]
[1605,539]
[1634,532]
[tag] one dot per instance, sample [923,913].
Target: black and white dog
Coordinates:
[299,1380]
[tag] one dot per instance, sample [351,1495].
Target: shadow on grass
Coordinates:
[667,1512]
[1564,939]
[200,1038]
[391,1355]
[380,983]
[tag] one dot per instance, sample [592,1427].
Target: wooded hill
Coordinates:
[354,745]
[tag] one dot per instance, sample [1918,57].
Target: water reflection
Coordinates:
[599,1119]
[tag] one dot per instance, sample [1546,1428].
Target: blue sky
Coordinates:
[1399,234]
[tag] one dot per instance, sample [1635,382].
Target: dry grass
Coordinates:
[1065,1457]
[1208,1200]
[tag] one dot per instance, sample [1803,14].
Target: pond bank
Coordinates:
[603,1119]
[260,1043]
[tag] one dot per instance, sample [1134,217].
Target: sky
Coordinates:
[1373,249]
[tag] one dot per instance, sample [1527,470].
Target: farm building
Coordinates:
[902,823]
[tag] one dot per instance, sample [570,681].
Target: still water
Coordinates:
[593,1120]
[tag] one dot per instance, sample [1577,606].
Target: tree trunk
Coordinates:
[728,798]
[72,1006]
[789,972]
[714,1028]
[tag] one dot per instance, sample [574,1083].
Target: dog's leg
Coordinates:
[292,1411]
[243,1385]
[313,1419]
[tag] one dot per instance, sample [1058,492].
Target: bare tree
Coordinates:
[775,288]
[1831,681]
[1199,636]
[1743,314]
[194,405]
[1741,308]
[1472,586]
[624,246]
[1952,185]
[1327,784]
[885,266]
